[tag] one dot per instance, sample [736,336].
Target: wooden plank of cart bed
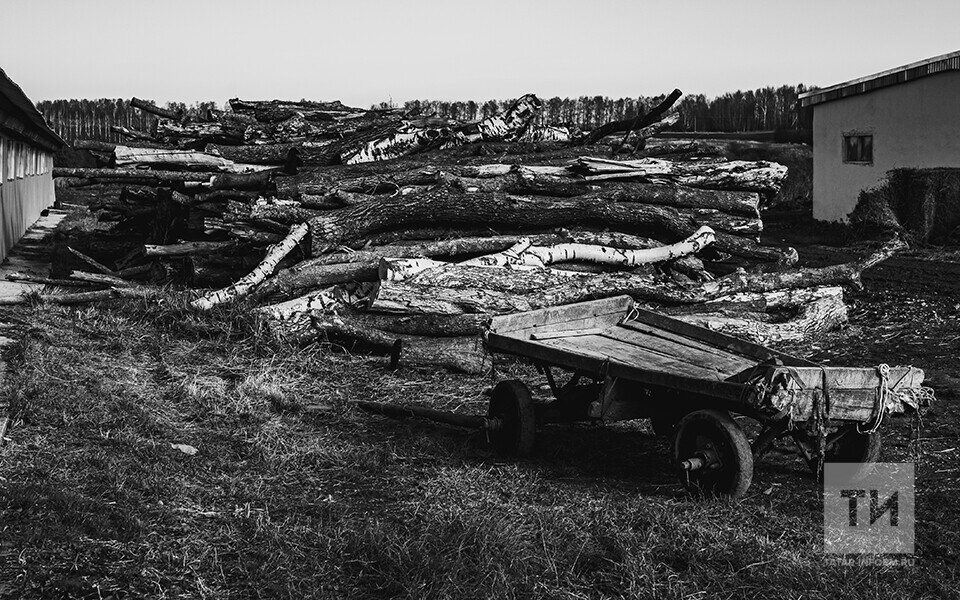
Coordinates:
[724,362]
[630,354]
[596,365]
[690,343]
[555,316]
[717,339]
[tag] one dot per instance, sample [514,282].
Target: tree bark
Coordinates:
[133,134]
[153,109]
[636,123]
[300,277]
[264,269]
[751,176]
[188,248]
[810,320]
[461,354]
[344,225]
[262,154]
[199,133]
[155,177]
[454,289]
[843,274]
[154,158]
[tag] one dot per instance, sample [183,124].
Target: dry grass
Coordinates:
[294,494]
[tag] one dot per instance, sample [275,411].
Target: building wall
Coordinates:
[26,188]
[914,124]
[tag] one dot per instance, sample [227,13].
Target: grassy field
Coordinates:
[292,493]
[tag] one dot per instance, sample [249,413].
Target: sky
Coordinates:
[363,52]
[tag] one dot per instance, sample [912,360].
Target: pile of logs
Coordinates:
[405,233]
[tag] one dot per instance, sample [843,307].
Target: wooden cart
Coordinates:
[629,363]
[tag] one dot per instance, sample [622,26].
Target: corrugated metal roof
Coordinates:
[923,68]
[20,118]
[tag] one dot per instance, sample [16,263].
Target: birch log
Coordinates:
[575,252]
[753,176]
[321,301]
[125,156]
[243,287]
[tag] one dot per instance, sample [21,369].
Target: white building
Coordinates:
[904,117]
[27,145]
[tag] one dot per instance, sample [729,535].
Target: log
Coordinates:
[442,248]
[758,302]
[82,297]
[454,289]
[560,253]
[131,175]
[810,321]
[297,279]
[402,269]
[188,249]
[261,272]
[649,118]
[153,109]
[341,226]
[508,127]
[100,278]
[199,133]
[410,139]
[510,256]
[270,111]
[132,134]
[460,354]
[262,154]
[154,158]
[752,176]
[645,133]
[320,301]
[842,274]
[93,263]
[243,181]
[425,324]
[363,265]
[46,280]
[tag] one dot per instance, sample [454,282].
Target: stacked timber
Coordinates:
[406,233]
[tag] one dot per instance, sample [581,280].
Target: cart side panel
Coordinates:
[583,315]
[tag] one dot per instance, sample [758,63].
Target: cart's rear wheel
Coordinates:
[512,409]
[850,446]
[663,424]
[855,447]
[713,454]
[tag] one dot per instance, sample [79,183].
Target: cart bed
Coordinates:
[611,338]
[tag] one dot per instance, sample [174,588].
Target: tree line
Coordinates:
[765,109]
[93,119]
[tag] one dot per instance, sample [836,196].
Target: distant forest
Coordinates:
[765,109]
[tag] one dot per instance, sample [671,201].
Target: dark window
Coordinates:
[858,148]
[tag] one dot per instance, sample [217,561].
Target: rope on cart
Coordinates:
[880,405]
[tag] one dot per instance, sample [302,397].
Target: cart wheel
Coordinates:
[713,454]
[512,407]
[851,446]
[664,422]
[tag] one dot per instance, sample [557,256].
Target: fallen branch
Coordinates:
[243,287]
